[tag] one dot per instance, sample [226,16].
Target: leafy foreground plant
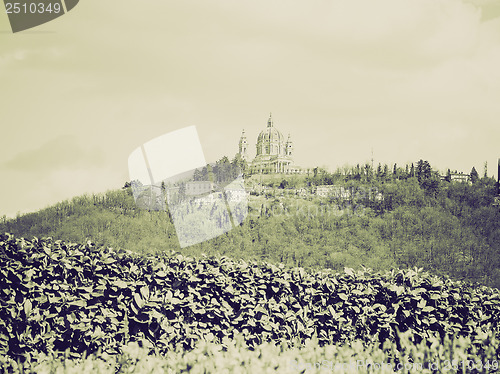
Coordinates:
[233,356]
[64,297]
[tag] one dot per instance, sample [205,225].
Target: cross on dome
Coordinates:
[270,120]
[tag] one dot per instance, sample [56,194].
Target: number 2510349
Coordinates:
[32,8]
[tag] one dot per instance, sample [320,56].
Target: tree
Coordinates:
[385,173]
[197,175]
[428,179]
[238,166]
[210,173]
[448,176]
[431,185]
[357,172]
[423,171]
[203,176]
[182,190]
[283,184]
[368,172]
[474,176]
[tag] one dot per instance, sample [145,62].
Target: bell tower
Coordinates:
[289,146]
[243,146]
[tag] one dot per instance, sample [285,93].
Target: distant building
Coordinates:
[333,191]
[274,153]
[198,187]
[236,195]
[149,197]
[343,193]
[457,177]
[460,177]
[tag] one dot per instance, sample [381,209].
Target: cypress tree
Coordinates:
[474,176]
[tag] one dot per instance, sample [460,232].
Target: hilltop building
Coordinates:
[460,177]
[456,177]
[199,187]
[274,153]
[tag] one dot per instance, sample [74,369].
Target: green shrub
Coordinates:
[59,297]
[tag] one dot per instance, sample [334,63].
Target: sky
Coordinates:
[404,79]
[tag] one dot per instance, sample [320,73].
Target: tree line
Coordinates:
[448,228]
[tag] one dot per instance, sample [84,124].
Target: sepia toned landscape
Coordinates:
[239,187]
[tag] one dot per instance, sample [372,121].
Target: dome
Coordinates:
[274,152]
[270,134]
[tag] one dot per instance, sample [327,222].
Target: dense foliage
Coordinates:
[452,355]
[78,299]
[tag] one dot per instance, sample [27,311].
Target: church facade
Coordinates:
[274,152]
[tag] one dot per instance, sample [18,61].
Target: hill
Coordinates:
[446,228]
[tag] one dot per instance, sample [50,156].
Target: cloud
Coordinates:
[63,152]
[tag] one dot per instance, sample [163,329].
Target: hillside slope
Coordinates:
[455,233]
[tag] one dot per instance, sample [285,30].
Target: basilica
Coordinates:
[274,153]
